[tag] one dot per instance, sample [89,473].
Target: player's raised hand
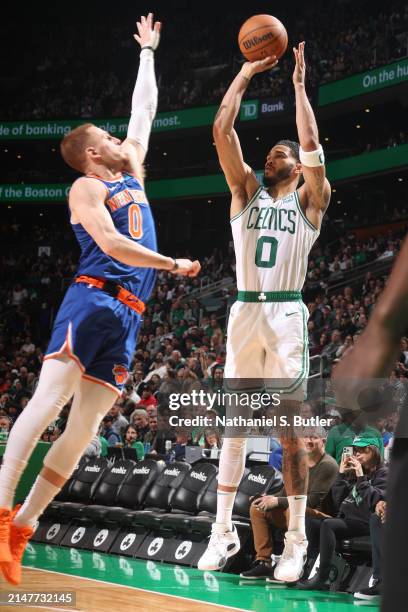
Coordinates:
[300,65]
[250,68]
[186,267]
[148,32]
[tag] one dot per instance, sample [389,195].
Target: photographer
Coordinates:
[359,486]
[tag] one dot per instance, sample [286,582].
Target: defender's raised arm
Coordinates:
[144,99]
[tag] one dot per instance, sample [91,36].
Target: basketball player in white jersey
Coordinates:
[274,227]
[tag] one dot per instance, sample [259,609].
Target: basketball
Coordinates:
[262,36]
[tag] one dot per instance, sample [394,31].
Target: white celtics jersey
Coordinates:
[272,240]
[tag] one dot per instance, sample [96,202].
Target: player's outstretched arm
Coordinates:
[240,177]
[86,202]
[315,193]
[144,99]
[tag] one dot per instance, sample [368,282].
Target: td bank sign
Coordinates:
[249,110]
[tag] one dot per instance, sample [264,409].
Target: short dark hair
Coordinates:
[292,145]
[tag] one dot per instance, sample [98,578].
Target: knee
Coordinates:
[292,445]
[253,512]
[326,526]
[237,444]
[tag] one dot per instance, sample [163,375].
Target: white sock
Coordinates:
[41,494]
[297,510]
[10,475]
[225,503]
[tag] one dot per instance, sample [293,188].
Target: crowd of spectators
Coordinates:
[182,339]
[194,68]
[181,347]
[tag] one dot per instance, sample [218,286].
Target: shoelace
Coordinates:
[5,519]
[288,551]
[215,540]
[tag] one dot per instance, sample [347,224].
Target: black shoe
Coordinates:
[259,571]
[317,583]
[372,593]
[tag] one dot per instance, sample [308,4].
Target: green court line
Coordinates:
[210,587]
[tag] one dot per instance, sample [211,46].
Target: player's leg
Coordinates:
[244,365]
[58,380]
[91,402]
[224,541]
[295,476]
[286,369]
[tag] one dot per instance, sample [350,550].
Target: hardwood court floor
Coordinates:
[95,596]
[117,584]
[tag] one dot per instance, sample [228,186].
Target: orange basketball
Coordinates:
[262,36]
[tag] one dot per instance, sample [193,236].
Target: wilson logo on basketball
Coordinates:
[256,40]
[120,373]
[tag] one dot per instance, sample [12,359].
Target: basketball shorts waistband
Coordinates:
[269,296]
[115,291]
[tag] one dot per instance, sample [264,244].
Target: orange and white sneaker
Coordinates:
[5,525]
[19,537]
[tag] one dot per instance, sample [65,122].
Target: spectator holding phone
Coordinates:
[343,435]
[358,488]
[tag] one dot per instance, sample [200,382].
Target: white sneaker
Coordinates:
[290,565]
[222,545]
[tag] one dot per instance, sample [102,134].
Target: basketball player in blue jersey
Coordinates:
[274,227]
[95,331]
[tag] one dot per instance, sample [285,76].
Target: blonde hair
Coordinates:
[73,146]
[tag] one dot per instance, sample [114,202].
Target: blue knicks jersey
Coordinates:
[130,211]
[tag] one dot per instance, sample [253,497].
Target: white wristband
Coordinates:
[312,159]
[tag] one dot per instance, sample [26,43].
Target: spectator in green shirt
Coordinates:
[103,441]
[343,435]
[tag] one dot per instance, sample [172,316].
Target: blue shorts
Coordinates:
[98,332]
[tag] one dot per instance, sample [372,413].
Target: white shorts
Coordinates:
[268,342]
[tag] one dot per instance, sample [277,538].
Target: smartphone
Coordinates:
[347,452]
